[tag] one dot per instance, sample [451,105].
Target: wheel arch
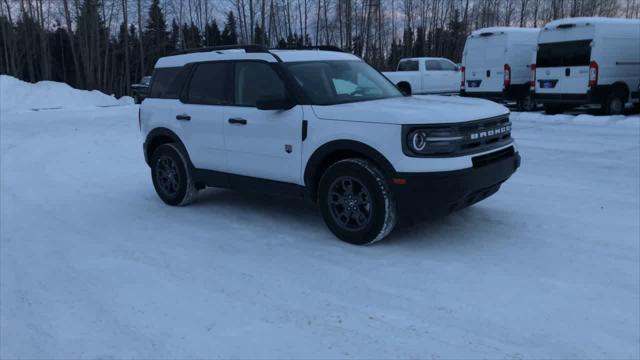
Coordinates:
[337,150]
[404,86]
[621,86]
[161,136]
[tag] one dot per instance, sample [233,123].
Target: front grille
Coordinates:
[460,139]
[487,128]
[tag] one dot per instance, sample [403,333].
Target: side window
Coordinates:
[161,81]
[255,80]
[408,65]
[210,84]
[447,65]
[433,65]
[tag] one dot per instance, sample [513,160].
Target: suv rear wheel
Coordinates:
[171,176]
[356,202]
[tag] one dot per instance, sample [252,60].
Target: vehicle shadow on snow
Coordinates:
[271,213]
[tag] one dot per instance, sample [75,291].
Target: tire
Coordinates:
[356,202]
[614,104]
[552,109]
[405,88]
[527,104]
[172,176]
[136,99]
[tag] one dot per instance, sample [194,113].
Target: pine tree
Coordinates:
[192,38]
[229,34]
[174,37]
[212,34]
[155,35]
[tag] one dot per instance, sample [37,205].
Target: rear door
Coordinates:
[563,67]
[205,102]
[432,81]
[451,76]
[484,63]
[265,144]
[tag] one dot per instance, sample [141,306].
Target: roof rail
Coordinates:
[319,47]
[247,48]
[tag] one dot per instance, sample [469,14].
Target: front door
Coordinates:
[262,143]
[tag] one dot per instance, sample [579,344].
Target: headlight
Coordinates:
[418,140]
[428,141]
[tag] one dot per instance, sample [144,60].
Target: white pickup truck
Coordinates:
[426,75]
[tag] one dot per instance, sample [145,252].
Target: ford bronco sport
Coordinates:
[320,124]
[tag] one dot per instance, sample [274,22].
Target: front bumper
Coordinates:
[427,195]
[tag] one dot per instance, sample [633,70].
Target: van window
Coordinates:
[408,65]
[210,84]
[255,80]
[163,81]
[564,54]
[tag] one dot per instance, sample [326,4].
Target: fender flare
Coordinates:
[335,150]
[159,136]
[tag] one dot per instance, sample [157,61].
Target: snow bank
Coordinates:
[632,121]
[18,95]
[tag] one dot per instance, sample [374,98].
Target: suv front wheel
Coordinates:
[356,202]
[171,176]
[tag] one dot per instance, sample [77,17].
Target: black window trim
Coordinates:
[184,93]
[232,81]
[154,78]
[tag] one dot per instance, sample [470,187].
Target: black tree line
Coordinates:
[109,44]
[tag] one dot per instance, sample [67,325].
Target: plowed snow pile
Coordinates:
[18,95]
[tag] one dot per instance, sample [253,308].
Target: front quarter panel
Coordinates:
[386,139]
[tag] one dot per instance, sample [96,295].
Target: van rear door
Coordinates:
[484,63]
[563,67]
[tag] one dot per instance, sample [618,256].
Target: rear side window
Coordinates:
[210,84]
[447,65]
[433,65]
[564,54]
[408,65]
[256,80]
[165,81]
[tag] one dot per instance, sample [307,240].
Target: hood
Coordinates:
[429,109]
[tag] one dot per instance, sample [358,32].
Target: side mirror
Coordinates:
[274,103]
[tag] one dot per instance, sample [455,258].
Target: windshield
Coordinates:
[340,81]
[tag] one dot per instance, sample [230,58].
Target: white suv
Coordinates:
[324,125]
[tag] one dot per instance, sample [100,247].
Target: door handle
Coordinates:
[567,72]
[238,121]
[183,117]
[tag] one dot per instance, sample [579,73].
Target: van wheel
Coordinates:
[614,105]
[527,104]
[171,176]
[356,202]
[553,109]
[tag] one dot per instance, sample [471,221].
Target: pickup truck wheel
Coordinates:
[356,202]
[171,176]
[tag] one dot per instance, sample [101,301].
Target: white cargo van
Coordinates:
[588,61]
[496,64]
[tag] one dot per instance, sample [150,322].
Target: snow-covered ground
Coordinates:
[17,95]
[94,265]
